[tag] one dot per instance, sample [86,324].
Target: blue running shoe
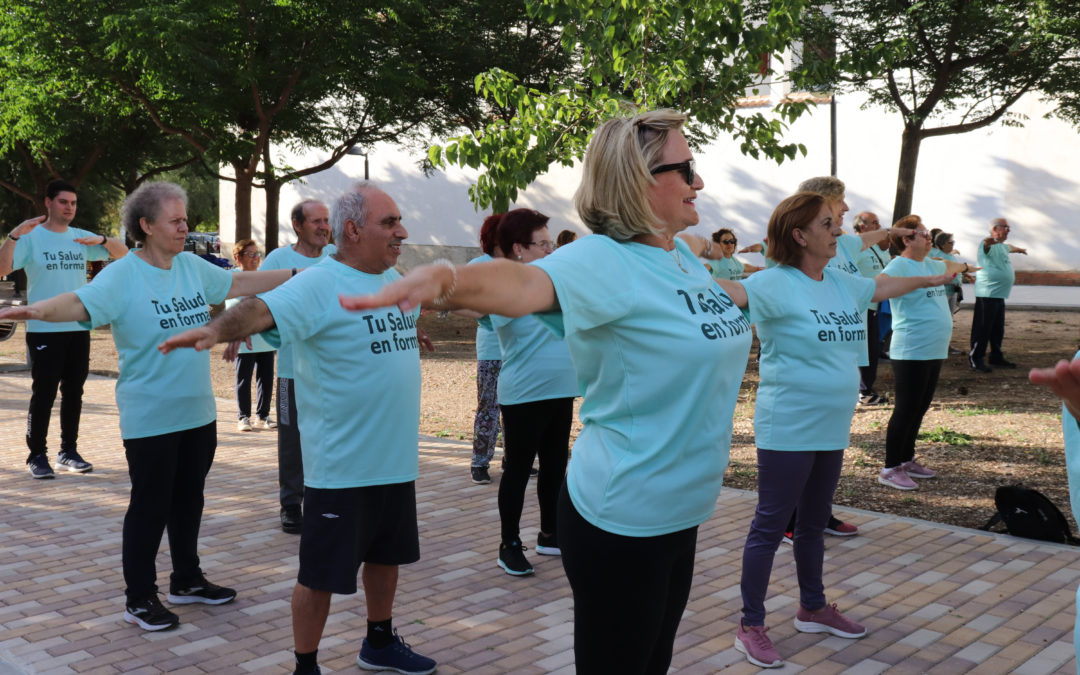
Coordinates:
[397,657]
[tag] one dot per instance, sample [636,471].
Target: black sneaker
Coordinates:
[397,656]
[39,467]
[149,614]
[979,366]
[292,519]
[547,544]
[480,475]
[512,559]
[70,460]
[203,591]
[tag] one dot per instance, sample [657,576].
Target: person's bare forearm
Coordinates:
[249,316]
[250,283]
[503,287]
[115,247]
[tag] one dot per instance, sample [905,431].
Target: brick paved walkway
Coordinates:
[936,599]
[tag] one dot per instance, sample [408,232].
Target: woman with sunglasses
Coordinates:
[647,467]
[922,328]
[257,359]
[536,393]
[809,318]
[728,266]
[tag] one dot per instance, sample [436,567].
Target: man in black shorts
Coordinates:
[358,384]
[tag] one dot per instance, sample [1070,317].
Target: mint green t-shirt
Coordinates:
[536,364]
[727,269]
[357,377]
[258,342]
[812,333]
[286,258]
[848,247]
[54,264]
[921,319]
[487,342]
[995,279]
[158,393]
[769,262]
[938,254]
[660,355]
[870,263]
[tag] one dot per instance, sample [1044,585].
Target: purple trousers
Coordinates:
[786,480]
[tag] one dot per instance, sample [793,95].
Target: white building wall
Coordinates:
[1030,175]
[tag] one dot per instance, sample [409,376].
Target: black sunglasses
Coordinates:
[686,168]
[728,241]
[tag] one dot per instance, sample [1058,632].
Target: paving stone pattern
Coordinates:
[936,599]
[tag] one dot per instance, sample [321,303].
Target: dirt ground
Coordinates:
[982,431]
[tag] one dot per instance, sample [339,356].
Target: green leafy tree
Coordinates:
[699,56]
[946,67]
[232,80]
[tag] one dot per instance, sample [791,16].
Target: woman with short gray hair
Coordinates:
[166,404]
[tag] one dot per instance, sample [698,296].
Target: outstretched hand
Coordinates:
[23,228]
[232,350]
[20,313]
[92,240]
[422,285]
[1063,379]
[199,339]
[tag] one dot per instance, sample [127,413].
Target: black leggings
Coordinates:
[168,473]
[262,363]
[537,428]
[915,385]
[987,328]
[56,360]
[868,373]
[629,594]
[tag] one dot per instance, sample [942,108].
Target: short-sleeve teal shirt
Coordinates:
[286,258]
[871,262]
[487,342]
[995,279]
[55,263]
[921,319]
[536,365]
[811,333]
[660,351]
[728,269]
[357,377]
[258,342]
[157,393]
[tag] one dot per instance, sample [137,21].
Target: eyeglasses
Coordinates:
[686,168]
[925,234]
[543,243]
[729,242]
[251,254]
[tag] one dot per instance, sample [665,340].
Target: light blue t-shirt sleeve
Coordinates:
[595,299]
[922,321]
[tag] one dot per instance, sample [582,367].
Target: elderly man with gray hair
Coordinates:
[993,283]
[311,222]
[359,469]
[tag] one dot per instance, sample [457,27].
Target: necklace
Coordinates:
[678,259]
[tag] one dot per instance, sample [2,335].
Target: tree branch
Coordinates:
[897,97]
[984,122]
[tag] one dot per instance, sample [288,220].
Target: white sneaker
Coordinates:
[244,424]
[266,423]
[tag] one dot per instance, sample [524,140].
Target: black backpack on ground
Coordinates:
[1028,513]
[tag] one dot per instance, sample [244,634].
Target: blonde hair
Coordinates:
[613,197]
[829,187]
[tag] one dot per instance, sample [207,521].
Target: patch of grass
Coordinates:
[945,435]
[1043,457]
[909,500]
[875,425]
[442,434]
[977,410]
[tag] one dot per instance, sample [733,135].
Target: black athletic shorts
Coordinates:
[346,527]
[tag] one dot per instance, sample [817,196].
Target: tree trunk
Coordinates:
[273,198]
[242,208]
[905,175]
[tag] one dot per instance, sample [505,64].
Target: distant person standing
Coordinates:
[54,255]
[870,262]
[993,284]
[257,360]
[311,222]
[486,423]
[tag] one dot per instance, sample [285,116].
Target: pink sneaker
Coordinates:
[897,478]
[917,470]
[759,650]
[827,620]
